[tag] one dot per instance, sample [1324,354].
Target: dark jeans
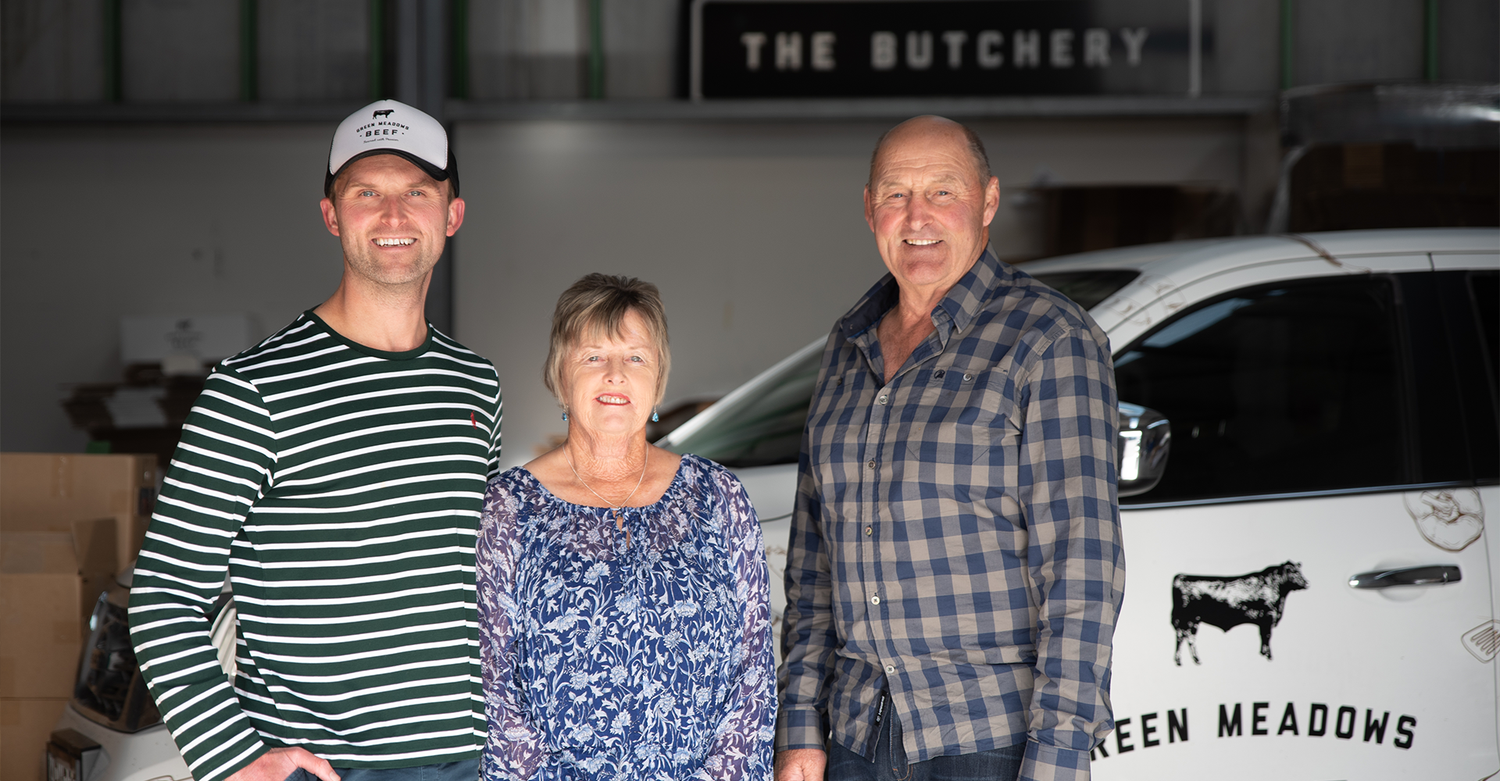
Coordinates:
[463,770]
[890,761]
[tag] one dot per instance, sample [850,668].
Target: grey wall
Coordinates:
[103,222]
[528,50]
[1246,47]
[52,51]
[1370,40]
[1469,40]
[754,232]
[1336,42]
[313,51]
[180,50]
[175,51]
[538,49]
[640,48]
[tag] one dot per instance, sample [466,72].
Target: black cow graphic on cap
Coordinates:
[417,137]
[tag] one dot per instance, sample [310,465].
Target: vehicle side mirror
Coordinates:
[1142,445]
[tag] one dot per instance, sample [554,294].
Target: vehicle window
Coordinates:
[1484,287]
[1484,291]
[1087,288]
[762,429]
[1286,388]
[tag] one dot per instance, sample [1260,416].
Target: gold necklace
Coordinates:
[619,519]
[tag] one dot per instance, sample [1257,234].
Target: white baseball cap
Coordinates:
[390,127]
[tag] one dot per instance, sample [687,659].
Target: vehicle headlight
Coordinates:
[110,689]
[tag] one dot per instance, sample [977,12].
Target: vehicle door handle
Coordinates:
[1407,576]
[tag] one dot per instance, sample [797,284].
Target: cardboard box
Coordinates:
[24,727]
[48,492]
[49,583]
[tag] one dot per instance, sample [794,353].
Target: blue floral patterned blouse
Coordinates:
[607,659]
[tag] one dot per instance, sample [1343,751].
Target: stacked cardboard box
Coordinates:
[68,525]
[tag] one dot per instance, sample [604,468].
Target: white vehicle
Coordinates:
[1310,592]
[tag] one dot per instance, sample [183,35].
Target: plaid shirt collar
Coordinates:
[984,280]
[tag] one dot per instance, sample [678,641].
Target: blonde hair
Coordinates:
[597,304]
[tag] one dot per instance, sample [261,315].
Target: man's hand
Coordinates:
[278,763]
[801,764]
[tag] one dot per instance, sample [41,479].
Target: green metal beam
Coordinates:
[1430,40]
[458,27]
[114,82]
[249,51]
[596,50]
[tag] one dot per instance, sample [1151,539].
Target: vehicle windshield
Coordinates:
[1087,288]
[765,428]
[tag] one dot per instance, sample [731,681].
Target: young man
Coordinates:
[334,473]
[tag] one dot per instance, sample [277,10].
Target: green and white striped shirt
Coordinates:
[340,487]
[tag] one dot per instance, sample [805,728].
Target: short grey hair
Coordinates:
[976,151]
[598,304]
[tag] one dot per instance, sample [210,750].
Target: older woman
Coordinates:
[623,613]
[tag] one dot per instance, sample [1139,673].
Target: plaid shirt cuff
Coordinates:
[799,727]
[1050,763]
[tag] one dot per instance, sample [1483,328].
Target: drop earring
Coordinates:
[565,416]
[654,418]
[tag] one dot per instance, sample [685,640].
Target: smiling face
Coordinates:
[392,220]
[609,381]
[928,207]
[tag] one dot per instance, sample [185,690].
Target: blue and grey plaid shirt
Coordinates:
[956,539]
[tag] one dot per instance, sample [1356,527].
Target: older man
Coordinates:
[955,566]
[335,472]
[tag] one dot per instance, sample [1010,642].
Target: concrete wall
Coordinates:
[753,231]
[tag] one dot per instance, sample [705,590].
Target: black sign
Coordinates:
[878,48]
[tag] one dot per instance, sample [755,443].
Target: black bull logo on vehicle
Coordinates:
[1257,598]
